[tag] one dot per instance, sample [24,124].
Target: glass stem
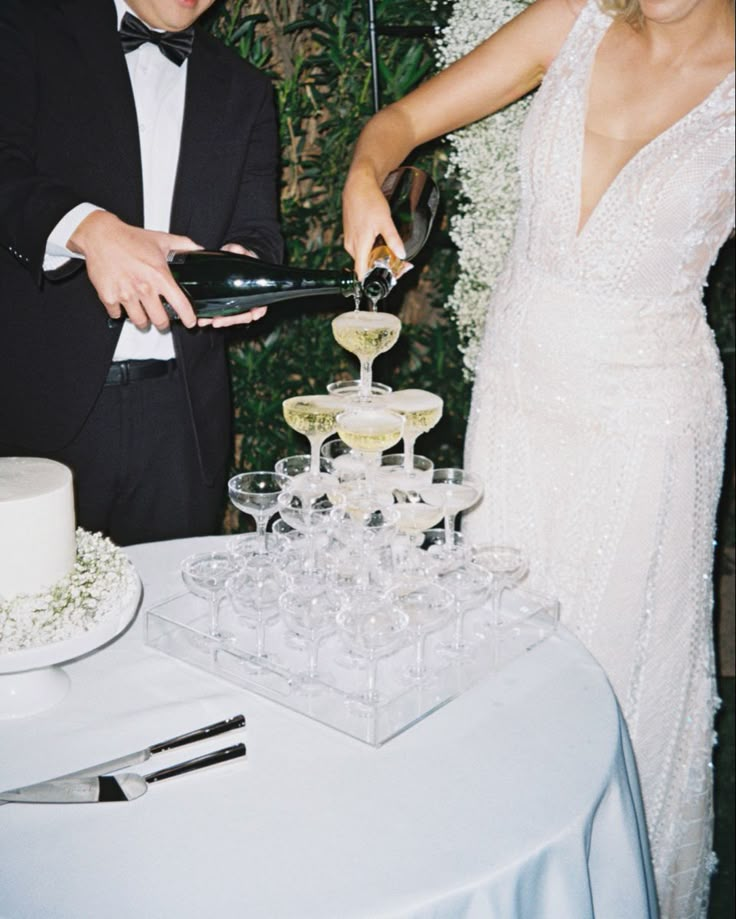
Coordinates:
[419,658]
[457,642]
[371,687]
[215,614]
[450,529]
[409,441]
[260,635]
[260,534]
[315,444]
[366,380]
[372,464]
[495,604]
[312,665]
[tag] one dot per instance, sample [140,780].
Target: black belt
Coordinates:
[123,372]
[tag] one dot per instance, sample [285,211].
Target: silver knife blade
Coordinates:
[105,788]
[85,789]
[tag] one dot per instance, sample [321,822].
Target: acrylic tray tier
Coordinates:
[178,627]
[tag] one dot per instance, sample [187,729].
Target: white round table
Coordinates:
[517,800]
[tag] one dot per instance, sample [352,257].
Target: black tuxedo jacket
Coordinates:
[68,134]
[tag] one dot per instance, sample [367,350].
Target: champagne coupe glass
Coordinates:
[312,517]
[255,493]
[299,464]
[254,593]
[428,607]
[454,490]
[415,516]
[347,464]
[350,390]
[370,634]
[314,417]
[206,574]
[366,334]
[470,585]
[507,565]
[361,532]
[309,611]
[421,410]
[370,431]
[393,471]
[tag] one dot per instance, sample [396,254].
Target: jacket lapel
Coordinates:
[204,136]
[94,25]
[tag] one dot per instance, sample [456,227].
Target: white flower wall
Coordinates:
[483,156]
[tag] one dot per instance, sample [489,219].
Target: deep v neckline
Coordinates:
[644,149]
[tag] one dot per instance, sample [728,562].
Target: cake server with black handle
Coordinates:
[104,788]
[141,756]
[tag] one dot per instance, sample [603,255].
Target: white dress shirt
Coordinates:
[159,88]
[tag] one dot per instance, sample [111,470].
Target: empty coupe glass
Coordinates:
[398,470]
[206,574]
[256,493]
[470,585]
[254,593]
[347,464]
[309,611]
[507,565]
[299,464]
[371,633]
[350,390]
[428,607]
[453,490]
[311,516]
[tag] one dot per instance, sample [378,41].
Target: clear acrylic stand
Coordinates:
[178,627]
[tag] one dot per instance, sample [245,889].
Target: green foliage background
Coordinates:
[317,52]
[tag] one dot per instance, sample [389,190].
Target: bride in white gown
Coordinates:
[598,413]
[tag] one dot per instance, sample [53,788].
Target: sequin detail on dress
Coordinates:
[598,425]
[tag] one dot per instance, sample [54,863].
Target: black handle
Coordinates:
[220,727]
[200,762]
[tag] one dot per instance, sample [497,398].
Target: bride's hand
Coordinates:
[366,215]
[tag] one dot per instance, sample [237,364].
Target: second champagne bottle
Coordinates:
[224,283]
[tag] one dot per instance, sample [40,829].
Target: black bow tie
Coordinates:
[176,46]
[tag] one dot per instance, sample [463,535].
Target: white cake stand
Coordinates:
[31,680]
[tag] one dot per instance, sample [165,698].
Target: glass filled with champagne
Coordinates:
[316,418]
[421,410]
[370,431]
[366,334]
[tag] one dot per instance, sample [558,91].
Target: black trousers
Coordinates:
[136,472]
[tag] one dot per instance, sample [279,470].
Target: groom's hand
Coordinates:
[127,267]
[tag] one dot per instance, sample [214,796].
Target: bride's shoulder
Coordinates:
[552,20]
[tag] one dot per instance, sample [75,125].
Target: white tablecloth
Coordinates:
[518,799]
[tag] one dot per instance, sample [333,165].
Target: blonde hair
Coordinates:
[628,10]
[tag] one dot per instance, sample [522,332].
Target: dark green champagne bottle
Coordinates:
[225,283]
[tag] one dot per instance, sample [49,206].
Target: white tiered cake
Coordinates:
[37,527]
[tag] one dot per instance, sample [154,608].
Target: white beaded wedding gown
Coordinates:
[597,426]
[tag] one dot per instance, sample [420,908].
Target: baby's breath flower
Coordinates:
[76,603]
[483,156]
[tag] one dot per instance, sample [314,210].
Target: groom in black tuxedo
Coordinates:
[125,132]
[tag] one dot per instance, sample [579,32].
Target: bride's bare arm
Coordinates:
[500,70]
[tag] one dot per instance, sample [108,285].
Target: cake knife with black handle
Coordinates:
[140,756]
[104,788]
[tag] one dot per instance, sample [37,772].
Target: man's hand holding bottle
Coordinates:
[128,268]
